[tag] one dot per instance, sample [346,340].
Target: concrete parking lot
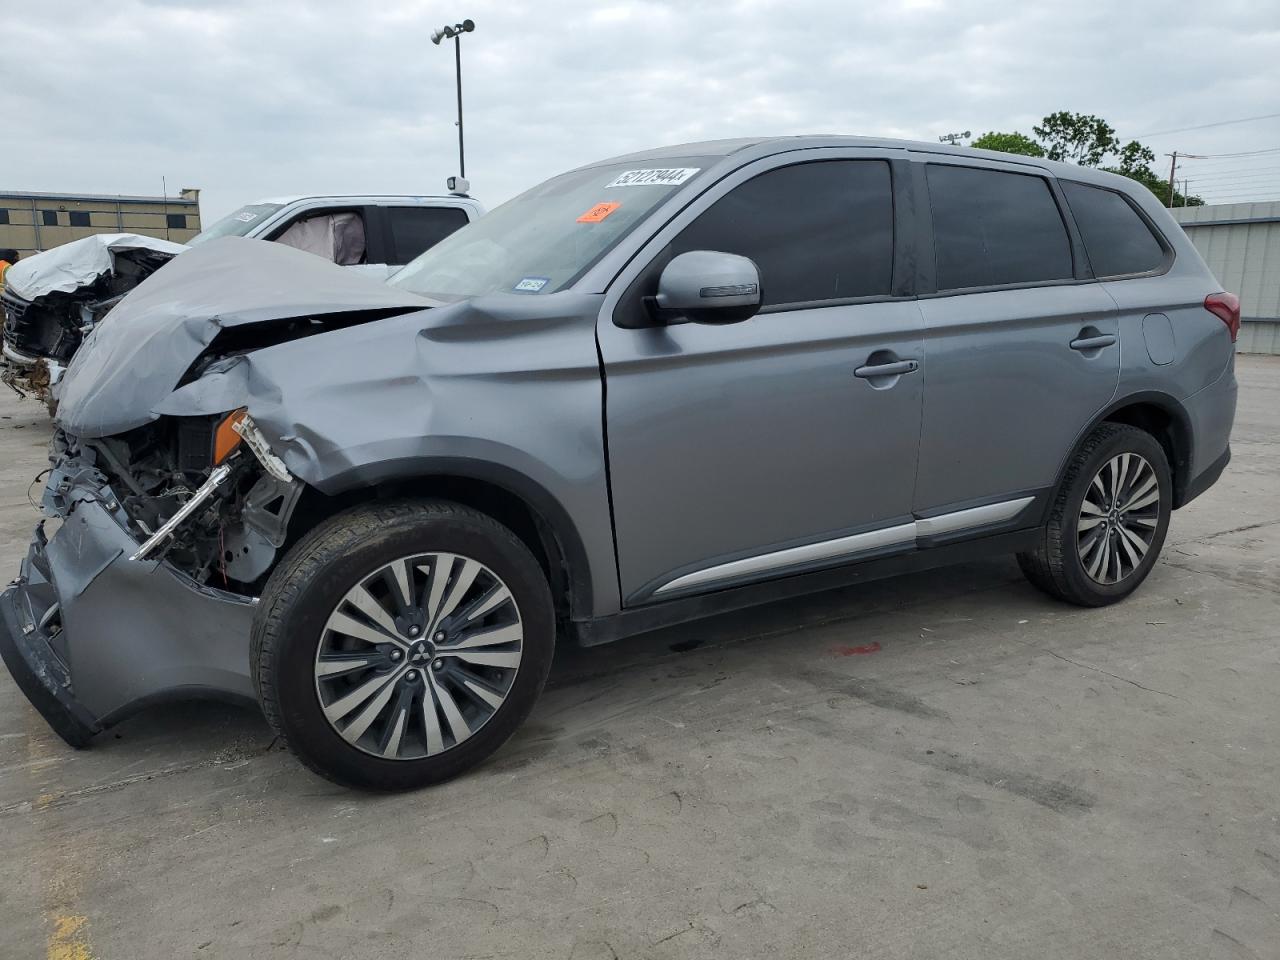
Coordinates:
[947,765]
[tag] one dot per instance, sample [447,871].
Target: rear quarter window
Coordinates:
[992,228]
[1117,239]
[414,230]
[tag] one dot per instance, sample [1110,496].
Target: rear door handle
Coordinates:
[1093,343]
[897,368]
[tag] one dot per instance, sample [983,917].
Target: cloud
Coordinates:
[247,100]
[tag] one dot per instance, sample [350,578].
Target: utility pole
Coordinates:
[1173,168]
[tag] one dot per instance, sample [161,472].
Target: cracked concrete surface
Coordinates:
[946,765]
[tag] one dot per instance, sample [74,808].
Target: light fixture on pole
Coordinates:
[459,183]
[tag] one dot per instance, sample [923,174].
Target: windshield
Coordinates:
[544,239]
[239,223]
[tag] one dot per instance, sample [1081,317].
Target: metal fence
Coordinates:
[1241,244]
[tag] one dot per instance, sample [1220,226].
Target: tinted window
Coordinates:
[1117,239]
[4,215]
[49,218]
[175,221]
[991,228]
[415,230]
[79,218]
[817,231]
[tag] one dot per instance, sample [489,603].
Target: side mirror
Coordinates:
[707,286]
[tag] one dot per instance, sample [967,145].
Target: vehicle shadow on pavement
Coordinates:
[204,733]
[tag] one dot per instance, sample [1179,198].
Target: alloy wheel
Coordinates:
[1118,518]
[418,656]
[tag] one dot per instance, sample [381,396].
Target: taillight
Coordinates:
[1226,307]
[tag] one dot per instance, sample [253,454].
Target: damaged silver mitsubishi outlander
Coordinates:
[645,391]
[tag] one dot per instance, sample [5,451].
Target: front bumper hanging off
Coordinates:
[91,635]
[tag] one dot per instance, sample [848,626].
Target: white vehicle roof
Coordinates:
[374,198]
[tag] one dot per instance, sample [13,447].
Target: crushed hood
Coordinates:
[73,265]
[135,358]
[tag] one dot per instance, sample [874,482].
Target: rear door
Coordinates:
[750,450]
[413,230]
[1022,343]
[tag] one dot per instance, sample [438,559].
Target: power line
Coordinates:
[1223,156]
[1234,178]
[1234,168]
[1206,126]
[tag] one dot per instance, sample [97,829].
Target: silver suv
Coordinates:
[648,390]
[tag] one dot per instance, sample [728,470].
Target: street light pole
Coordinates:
[455,32]
[457,59]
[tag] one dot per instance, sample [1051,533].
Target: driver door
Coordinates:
[750,450]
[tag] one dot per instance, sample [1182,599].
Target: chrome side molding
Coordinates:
[850,546]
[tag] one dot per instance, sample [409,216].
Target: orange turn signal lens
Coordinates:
[225,438]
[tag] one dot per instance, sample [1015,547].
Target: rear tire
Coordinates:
[1104,530]
[399,644]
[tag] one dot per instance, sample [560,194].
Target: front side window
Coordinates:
[547,237]
[338,237]
[816,231]
[992,228]
[1117,240]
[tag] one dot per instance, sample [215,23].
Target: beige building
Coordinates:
[31,222]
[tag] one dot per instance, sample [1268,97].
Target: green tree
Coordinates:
[1158,185]
[1088,141]
[1077,137]
[1009,143]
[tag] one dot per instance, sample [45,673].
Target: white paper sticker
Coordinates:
[666,177]
[531,284]
[246,217]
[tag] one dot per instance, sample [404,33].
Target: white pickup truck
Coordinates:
[376,235]
[51,300]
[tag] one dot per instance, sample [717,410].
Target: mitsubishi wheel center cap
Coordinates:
[420,652]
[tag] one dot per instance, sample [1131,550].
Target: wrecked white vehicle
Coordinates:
[51,300]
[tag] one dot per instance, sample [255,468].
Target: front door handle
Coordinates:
[895,369]
[1093,343]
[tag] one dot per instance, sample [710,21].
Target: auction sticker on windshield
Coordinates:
[531,284]
[668,177]
[599,212]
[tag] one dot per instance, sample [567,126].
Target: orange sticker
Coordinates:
[599,212]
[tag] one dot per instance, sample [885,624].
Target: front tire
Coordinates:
[1108,519]
[400,644]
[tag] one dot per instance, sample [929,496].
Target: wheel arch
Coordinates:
[1160,415]
[521,504]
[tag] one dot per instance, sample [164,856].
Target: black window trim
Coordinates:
[1080,267]
[1170,254]
[387,233]
[902,191]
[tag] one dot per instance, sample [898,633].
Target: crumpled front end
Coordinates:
[95,626]
[59,296]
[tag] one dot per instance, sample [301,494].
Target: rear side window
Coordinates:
[817,231]
[991,228]
[415,230]
[1118,240]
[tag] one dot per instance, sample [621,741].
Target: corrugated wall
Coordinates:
[1241,244]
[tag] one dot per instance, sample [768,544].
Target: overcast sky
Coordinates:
[252,99]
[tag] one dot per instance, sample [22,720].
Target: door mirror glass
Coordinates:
[706,286]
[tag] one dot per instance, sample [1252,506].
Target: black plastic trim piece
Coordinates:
[1207,478]
[655,616]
